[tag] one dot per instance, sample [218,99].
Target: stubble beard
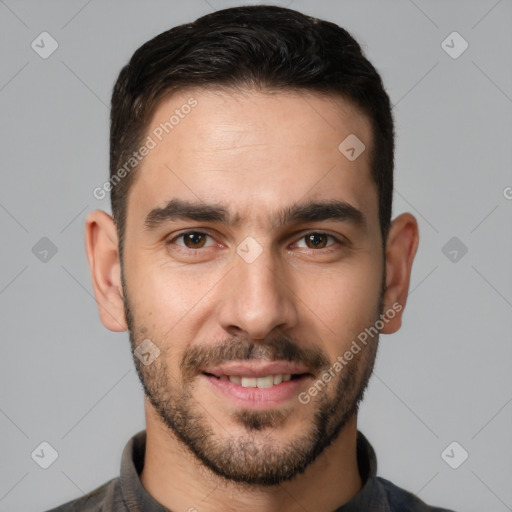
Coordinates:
[252,459]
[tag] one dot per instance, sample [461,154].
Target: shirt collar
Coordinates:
[135,496]
[370,495]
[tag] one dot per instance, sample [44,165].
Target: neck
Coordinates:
[174,477]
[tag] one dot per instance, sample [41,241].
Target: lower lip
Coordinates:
[257,398]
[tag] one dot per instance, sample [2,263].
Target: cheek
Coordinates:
[169,300]
[163,289]
[345,301]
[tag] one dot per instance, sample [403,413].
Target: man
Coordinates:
[252,257]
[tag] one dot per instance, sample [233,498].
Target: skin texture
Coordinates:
[302,300]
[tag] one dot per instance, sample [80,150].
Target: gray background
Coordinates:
[445,376]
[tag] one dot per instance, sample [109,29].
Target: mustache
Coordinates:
[281,348]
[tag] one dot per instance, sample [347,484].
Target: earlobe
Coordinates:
[401,247]
[101,244]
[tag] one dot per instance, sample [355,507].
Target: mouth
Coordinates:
[257,385]
[264,382]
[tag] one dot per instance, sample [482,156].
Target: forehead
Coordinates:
[254,152]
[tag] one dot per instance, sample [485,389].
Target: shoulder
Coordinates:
[93,501]
[401,500]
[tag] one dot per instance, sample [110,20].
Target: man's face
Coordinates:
[244,300]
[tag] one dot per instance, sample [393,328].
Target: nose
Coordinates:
[257,298]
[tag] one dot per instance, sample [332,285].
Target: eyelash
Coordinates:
[329,248]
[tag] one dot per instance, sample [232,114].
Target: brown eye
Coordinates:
[192,239]
[316,240]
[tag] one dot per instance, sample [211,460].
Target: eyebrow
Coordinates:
[312,211]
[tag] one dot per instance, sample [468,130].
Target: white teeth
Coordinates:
[257,382]
[265,382]
[278,379]
[249,382]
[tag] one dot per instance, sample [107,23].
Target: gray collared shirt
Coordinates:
[126,493]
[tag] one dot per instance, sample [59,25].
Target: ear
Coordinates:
[101,244]
[401,247]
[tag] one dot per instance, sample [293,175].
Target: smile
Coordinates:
[266,381]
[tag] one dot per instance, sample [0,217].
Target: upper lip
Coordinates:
[257,368]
